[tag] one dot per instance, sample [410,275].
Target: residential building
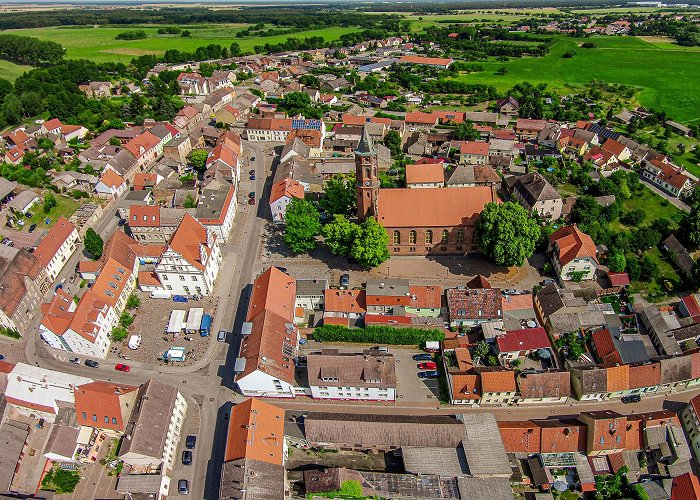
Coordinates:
[471,307]
[216,208]
[667,177]
[527,129]
[190,263]
[310,294]
[369,376]
[281,195]
[431,175]
[57,247]
[573,254]
[537,196]
[514,344]
[548,387]
[344,307]
[105,405]
[497,387]
[22,285]
[278,129]
[607,432]
[256,449]
[679,255]
[153,224]
[111,184]
[177,149]
[434,62]
[473,175]
[474,153]
[508,107]
[266,361]
[424,301]
[154,429]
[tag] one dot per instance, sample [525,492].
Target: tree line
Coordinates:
[30,50]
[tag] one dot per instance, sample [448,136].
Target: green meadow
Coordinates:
[665,75]
[98,43]
[10,71]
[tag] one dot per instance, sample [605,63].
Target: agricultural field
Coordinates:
[666,78]
[98,43]
[10,71]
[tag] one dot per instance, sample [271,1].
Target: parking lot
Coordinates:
[151,321]
[410,389]
[189,428]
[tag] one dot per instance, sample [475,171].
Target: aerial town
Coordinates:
[341,271]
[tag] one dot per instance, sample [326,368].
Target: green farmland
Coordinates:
[99,44]
[666,76]
[10,71]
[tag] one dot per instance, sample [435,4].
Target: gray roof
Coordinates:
[13,434]
[62,440]
[390,287]
[140,483]
[23,199]
[433,460]
[307,288]
[211,203]
[6,187]
[366,145]
[147,430]
[570,321]
[483,447]
[534,187]
[492,488]
[335,369]
[248,479]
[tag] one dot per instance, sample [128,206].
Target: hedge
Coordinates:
[377,335]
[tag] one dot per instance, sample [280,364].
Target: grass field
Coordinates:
[98,44]
[10,71]
[64,207]
[667,78]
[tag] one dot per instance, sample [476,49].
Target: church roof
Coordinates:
[366,146]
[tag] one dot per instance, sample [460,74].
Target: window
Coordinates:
[84,416]
[412,237]
[428,236]
[106,420]
[460,236]
[194,278]
[168,287]
[182,278]
[94,417]
[445,236]
[397,238]
[114,420]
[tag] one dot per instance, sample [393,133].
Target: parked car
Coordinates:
[252,172]
[29,215]
[252,158]
[121,222]
[252,177]
[634,398]
[422,357]
[91,363]
[251,194]
[32,228]
[428,365]
[183,487]
[547,281]
[430,374]
[345,280]
[75,361]
[187,457]
[190,442]
[221,337]
[121,367]
[134,342]
[379,348]
[251,201]
[2,356]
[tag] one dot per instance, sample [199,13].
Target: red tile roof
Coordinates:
[187,240]
[618,378]
[614,147]
[466,386]
[498,381]
[256,432]
[559,436]
[432,61]
[57,316]
[422,174]
[349,119]
[691,304]
[425,297]
[572,244]
[619,279]
[346,301]
[275,291]
[384,319]
[450,116]
[53,240]
[669,174]
[520,437]
[422,118]
[474,148]
[111,179]
[526,339]
[141,144]
[530,124]
[685,487]
[287,187]
[103,399]
[604,346]
[647,375]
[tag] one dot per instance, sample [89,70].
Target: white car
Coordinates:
[134,341]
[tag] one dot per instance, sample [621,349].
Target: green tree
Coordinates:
[133,302]
[61,481]
[126,320]
[340,234]
[506,233]
[118,334]
[340,197]
[93,243]
[189,202]
[617,262]
[691,223]
[465,131]
[370,246]
[198,159]
[392,140]
[302,225]
[481,350]
[49,202]
[649,269]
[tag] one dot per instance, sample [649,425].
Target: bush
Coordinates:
[126,320]
[61,481]
[10,332]
[133,302]
[376,335]
[131,35]
[118,334]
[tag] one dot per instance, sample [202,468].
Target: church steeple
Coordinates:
[367,176]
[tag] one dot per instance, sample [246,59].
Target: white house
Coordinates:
[573,254]
[281,195]
[667,177]
[57,247]
[190,262]
[111,184]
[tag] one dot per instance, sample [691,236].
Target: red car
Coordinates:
[428,365]
[251,201]
[122,367]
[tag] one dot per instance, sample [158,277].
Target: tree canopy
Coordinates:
[302,225]
[340,234]
[340,197]
[93,243]
[506,233]
[198,158]
[370,245]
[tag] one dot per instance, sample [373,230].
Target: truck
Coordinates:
[206,325]
[160,294]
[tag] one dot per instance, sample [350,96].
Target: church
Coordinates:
[439,221]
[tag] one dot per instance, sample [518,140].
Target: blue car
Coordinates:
[422,357]
[429,374]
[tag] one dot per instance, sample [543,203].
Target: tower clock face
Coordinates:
[366,183]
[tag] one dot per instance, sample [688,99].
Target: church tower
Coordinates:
[367,187]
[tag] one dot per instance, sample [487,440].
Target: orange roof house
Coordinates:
[520,437]
[465,387]
[287,187]
[256,431]
[498,381]
[570,243]
[438,62]
[104,405]
[419,118]
[431,174]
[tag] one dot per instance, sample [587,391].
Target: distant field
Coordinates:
[10,71]
[505,17]
[98,44]
[666,77]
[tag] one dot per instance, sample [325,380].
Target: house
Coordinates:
[617,149]
[473,175]
[154,429]
[152,224]
[57,247]
[607,432]
[310,294]
[474,153]
[193,83]
[522,342]
[265,364]
[344,306]
[23,283]
[418,119]
[471,307]
[689,307]
[679,255]
[111,185]
[425,176]
[255,452]
[550,387]
[508,107]
[667,177]
[190,263]
[368,376]
[105,405]
[685,487]
[497,387]
[425,301]
[528,129]
[146,180]
[433,62]
[23,201]
[573,254]
[537,196]
[281,195]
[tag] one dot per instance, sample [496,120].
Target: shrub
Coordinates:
[10,332]
[376,335]
[133,302]
[126,320]
[118,334]
[61,481]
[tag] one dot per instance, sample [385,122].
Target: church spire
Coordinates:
[366,145]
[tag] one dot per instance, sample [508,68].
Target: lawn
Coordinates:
[654,206]
[10,71]
[98,44]
[64,207]
[666,77]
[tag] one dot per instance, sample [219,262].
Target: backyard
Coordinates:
[65,207]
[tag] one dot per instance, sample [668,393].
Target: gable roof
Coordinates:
[57,235]
[188,240]
[347,301]
[572,243]
[256,431]
[549,384]
[534,187]
[428,173]
[102,399]
[525,339]
[111,179]
[275,291]
[497,381]
[287,187]
[474,148]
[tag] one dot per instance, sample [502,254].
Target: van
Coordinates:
[160,294]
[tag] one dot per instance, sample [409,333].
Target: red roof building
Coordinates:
[104,405]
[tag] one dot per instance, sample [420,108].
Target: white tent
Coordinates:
[194,319]
[177,321]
